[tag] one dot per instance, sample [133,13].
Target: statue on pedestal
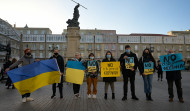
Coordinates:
[74,22]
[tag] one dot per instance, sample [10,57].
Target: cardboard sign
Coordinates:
[148,68]
[172,62]
[92,66]
[110,69]
[129,62]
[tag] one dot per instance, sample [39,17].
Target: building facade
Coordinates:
[8,35]
[100,41]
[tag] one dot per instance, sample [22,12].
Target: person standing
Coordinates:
[9,82]
[92,75]
[160,72]
[76,87]
[25,60]
[174,76]
[147,58]
[60,62]
[109,80]
[129,71]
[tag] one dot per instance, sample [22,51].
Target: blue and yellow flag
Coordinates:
[75,72]
[33,76]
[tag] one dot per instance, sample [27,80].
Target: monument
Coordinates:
[73,34]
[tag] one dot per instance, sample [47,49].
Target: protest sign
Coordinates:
[92,66]
[129,62]
[110,69]
[148,68]
[172,62]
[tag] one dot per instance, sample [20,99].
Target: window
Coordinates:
[90,47]
[28,32]
[50,47]
[144,47]
[180,48]
[35,31]
[158,48]
[98,46]
[41,55]
[136,47]
[58,47]
[41,47]
[43,32]
[106,47]
[121,47]
[81,47]
[49,55]
[34,55]
[113,47]
[34,46]
[158,55]
[82,54]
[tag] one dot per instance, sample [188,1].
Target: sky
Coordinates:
[124,16]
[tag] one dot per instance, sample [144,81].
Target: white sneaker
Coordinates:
[29,99]
[89,96]
[94,96]
[24,99]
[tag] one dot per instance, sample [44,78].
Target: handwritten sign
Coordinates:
[110,69]
[172,62]
[129,62]
[148,68]
[92,66]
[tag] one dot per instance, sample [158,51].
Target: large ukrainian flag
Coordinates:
[75,72]
[33,76]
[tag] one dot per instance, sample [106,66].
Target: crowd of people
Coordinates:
[92,75]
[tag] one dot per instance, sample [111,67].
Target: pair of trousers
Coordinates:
[160,75]
[178,86]
[76,88]
[148,83]
[112,86]
[26,95]
[125,86]
[60,85]
[91,81]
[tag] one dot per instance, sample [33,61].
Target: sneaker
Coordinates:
[24,99]
[29,99]
[94,96]
[171,100]
[89,96]
[181,100]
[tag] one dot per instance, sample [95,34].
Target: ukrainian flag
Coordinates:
[33,76]
[75,72]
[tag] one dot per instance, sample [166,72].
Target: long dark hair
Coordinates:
[149,53]
[107,53]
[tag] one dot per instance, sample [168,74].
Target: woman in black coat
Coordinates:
[109,80]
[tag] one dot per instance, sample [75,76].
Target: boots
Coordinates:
[113,95]
[147,97]
[150,98]
[105,96]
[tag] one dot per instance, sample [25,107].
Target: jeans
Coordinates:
[148,83]
[178,86]
[26,95]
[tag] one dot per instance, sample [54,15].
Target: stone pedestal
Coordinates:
[73,41]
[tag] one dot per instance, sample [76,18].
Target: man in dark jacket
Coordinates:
[128,71]
[174,76]
[60,62]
